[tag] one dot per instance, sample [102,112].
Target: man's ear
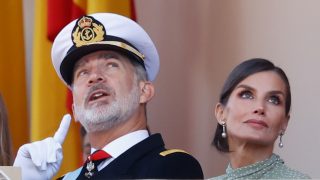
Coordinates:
[219,113]
[147,91]
[73,112]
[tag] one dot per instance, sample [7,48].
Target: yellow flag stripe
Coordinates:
[12,71]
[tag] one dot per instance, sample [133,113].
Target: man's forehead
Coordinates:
[103,54]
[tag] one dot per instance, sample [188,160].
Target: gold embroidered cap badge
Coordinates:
[87,31]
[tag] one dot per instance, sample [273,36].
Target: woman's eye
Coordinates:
[246,95]
[274,100]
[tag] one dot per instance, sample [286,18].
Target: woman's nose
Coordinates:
[260,110]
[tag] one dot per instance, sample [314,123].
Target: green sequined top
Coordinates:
[272,168]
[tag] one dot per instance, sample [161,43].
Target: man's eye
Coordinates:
[246,95]
[274,100]
[82,73]
[112,64]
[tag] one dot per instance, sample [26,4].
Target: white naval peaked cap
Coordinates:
[102,31]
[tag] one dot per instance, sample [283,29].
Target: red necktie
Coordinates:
[93,161]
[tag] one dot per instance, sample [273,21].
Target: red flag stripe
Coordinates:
[60,13]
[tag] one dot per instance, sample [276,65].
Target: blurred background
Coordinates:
[199,42]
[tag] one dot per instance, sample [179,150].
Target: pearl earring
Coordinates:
[224,133]
[280,142]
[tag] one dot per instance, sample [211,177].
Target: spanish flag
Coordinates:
[12,71]
[50,98]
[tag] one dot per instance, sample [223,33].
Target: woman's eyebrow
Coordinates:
[245,87]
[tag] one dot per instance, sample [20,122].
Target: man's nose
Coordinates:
[96,77]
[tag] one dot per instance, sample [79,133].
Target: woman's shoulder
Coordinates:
[283,171]
[272,168]
[221,177]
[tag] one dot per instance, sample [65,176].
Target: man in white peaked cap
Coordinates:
[109,62]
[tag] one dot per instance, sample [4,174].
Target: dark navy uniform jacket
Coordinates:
[150,160]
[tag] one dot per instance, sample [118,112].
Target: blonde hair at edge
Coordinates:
[5,141]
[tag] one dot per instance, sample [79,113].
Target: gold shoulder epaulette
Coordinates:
[170,151]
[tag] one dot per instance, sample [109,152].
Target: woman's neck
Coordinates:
[247,154]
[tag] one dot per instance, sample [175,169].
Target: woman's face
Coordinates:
[255,111]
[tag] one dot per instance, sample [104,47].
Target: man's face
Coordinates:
[105,90]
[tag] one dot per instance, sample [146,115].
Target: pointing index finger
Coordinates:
[61,133]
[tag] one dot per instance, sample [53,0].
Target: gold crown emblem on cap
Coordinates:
[87,31]
[85,22]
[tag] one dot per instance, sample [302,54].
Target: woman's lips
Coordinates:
[256,122]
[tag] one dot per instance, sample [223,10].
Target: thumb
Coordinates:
[61,133]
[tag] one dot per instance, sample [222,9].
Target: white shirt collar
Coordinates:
[123,143]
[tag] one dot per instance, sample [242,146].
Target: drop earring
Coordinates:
[281,143]
[224,133]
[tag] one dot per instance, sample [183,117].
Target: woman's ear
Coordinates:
[285,124]
[147,91]
[219,113]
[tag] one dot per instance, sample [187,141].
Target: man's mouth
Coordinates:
[97,95]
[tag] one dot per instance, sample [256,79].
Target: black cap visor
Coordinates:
[75,53]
